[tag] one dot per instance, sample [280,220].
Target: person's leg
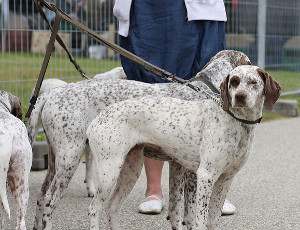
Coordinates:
[153,204]
[153,169]
[166,39]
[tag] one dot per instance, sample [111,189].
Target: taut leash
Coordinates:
[148,66]
[54,36]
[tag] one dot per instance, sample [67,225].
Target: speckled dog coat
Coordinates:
[66,113]
[196,136]
[16,156]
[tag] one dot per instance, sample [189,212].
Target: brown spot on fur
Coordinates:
[225,93]
[271,88]
[16,108]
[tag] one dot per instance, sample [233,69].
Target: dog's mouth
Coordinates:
[240,104]
[239,101]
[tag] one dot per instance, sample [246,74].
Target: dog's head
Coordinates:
[12,103]
[236,58]
[220,66]
[249,86]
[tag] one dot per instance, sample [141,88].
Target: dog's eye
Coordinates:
[252,82]
[235,81]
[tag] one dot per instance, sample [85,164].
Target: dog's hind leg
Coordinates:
[45,186]
[176,195]
[117,176]
[129,174]
[18,174]
[220,190]
[66,165]
[90,185]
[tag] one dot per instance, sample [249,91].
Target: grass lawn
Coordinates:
[289,81]
[19,72]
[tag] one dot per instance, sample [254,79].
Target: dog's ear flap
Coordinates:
[225,93]
[271,88]
[16,108]
[245,61]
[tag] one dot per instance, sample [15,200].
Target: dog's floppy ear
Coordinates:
[16,108]
[225,93]
[271,88]
[244,60]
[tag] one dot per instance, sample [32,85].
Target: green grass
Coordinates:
[288,81]
[19,72]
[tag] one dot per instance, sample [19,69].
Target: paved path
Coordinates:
[266,191]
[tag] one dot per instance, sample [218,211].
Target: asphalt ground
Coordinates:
[266,191]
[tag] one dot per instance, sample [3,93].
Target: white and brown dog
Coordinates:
[67,111]
[16,156]
[195,136]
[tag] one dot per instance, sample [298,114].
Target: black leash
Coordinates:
[54,36]
[148,66]
[39,5]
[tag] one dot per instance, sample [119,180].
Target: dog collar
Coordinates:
[5,106]
[243,120]
[216,92]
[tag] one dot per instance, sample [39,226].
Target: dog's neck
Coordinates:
[214,74]
[249,114]
[211,87]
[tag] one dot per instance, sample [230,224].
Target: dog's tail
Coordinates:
[34,119]
[5,154]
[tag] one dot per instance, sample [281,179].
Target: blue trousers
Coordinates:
[161,34]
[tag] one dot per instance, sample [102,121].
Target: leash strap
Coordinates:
[39,4]
[49,50]
[148,66]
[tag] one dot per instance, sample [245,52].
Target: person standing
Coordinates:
[179,36]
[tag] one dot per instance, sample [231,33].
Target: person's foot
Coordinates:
[228,208]
[151,205]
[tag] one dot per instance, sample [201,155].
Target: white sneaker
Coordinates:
[152,205]
[228,208]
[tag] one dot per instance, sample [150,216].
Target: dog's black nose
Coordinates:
[240,98]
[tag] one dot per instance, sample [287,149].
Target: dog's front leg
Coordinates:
[206,177]
[220,190]
[190,190]
[176,195]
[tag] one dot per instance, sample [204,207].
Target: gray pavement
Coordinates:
[266,191]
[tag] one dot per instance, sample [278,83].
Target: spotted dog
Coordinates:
[52,83]
[198,136]
[66,113]
[16,156]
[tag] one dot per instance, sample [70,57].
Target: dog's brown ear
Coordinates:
[16,108]
[245,61]
[271,88]
[225,93]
